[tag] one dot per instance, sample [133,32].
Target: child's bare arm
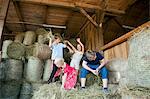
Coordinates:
[63,79]
[82,46]
[73,48]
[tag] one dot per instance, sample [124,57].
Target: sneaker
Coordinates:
[82,88]
[105,91]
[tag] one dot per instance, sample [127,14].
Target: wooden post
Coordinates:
[3,14]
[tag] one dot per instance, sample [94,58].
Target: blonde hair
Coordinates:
[59,60]
[90,53]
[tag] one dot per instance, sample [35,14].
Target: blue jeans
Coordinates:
[103,71]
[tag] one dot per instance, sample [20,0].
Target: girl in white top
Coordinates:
[78,53]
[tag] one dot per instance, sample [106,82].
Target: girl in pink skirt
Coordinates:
[69,77]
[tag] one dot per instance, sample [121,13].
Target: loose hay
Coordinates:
[16,50]
[132,92]
[139,59]
[52,91]
[41,31]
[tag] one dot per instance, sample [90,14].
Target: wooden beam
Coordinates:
[3,14]
[71,5]
[88,16]
[17,8]
[46,14]
[37,24]
[125,37]
[84,26]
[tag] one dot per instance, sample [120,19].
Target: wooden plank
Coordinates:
[88,16]
[46,14]
[30,23]
[17,8]
[4,9]
[3,14]
[84,26]
[71,5]
[125,37]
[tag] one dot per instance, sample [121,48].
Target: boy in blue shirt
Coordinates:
[91,63]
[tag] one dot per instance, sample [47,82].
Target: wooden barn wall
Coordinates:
[118,51]
[92,39]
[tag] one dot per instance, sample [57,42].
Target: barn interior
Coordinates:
[112,27]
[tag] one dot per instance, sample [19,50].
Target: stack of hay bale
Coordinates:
[138,70]
[26,64]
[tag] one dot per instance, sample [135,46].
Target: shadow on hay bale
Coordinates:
[10,90]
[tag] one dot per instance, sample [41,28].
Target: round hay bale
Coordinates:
[26,91]
[117,65]
[29,51]
[42,51]
[13,69]
[34,69]
[10,89]
[2,71]
[47,69]
[4,48]
[40,39]
[16,50]
[19,37]
[29,38]
[41,31]
[138,72]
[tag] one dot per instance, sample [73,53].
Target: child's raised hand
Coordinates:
[65,41]
[78,39]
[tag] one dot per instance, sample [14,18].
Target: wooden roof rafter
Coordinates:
[17,8]
[72,5]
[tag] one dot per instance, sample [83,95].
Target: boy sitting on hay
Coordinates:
[91,63]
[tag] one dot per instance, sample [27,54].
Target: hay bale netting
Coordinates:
[4,48]
[47,69]
[19,37]
[13,69]
[26,91]
[16,50]
[42,51]
[29,38]
[139,59]
[34,69]
[10,90]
